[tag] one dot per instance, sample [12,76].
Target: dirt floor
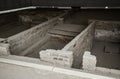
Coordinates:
[107,53]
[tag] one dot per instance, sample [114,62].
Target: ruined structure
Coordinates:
[47,44]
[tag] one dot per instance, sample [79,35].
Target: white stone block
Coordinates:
[4,49]
[89,61]
[57,57]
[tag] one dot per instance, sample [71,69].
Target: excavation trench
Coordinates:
[29,32]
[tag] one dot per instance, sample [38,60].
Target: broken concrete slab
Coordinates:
[57,57]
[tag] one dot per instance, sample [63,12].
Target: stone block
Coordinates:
[57,57]
[4,49]
[89,61]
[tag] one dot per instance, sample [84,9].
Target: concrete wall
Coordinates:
[107,30]
[22,41]
[81,43]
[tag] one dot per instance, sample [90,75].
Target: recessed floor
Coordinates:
[107,53]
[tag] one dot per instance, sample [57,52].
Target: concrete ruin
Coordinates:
[51,46]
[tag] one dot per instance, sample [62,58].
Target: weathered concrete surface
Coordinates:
[80,44]
[58,57]
[89,61]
